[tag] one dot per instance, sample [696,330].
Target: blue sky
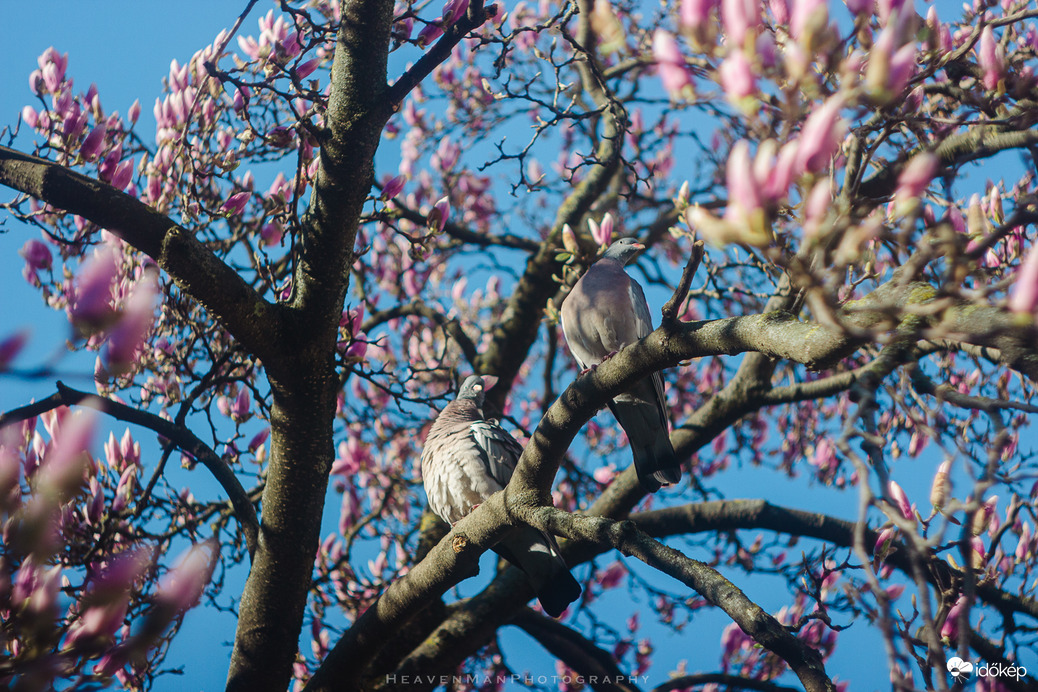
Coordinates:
[126,48]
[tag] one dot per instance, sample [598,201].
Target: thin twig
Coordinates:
[670,310]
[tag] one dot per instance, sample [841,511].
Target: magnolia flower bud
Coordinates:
[941,488]
[901,500]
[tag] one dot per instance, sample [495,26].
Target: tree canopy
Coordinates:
[346,208]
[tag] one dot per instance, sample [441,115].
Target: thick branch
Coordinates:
[191,266]
[304,384]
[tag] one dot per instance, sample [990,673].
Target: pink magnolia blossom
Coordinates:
[740,18]
[914,180]
[693,14]
[94,142]
[743,190]
[991,58]
[235,204]
[901,500]
[602,233]
[808,16]
[883,543]
[986,519]
[902,68]
[307,68]
[182,586]
[1023,298]
[64,464]
[134,112]
[239,408]
[138,315]
[780,11]
[978,554]
[30,116]
[950,628]
[737,78]
[894,591]
[940,491]
[605,474]
[122,174]
[429,34]
[1024,550]
[611,577]
[820,138]
[816,206]
[259,439]
[745,220]
[91,304]
[670,63]
[394,187]
[34,590]
[437,219]
[775,174]
[108,598]
[36,254]
[453,10]
[890,66]
[10,347]
[52,68]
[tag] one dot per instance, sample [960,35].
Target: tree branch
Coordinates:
[191,266]
[626,537]
[451,327]
[728,515]
[671,308]
[423,67]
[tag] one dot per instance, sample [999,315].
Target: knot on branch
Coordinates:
[624,534]
[459,543]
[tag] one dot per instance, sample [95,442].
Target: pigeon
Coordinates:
[605,311]
[466,459]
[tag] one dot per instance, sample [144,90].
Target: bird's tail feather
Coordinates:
[654,457]
[537,554]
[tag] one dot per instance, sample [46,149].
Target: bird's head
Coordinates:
[623,250]
[475,387]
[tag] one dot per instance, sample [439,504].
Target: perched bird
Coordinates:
[605,311]
[466,459]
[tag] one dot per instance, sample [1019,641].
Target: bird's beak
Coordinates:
[637,246]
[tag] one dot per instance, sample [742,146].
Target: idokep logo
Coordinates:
[959,669]
[962,670]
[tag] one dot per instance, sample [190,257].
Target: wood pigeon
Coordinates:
[466,459]
[605,311]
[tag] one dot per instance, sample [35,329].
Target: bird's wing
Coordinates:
[500,451]
[643,319]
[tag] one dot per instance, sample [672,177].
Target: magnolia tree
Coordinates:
[271,301]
